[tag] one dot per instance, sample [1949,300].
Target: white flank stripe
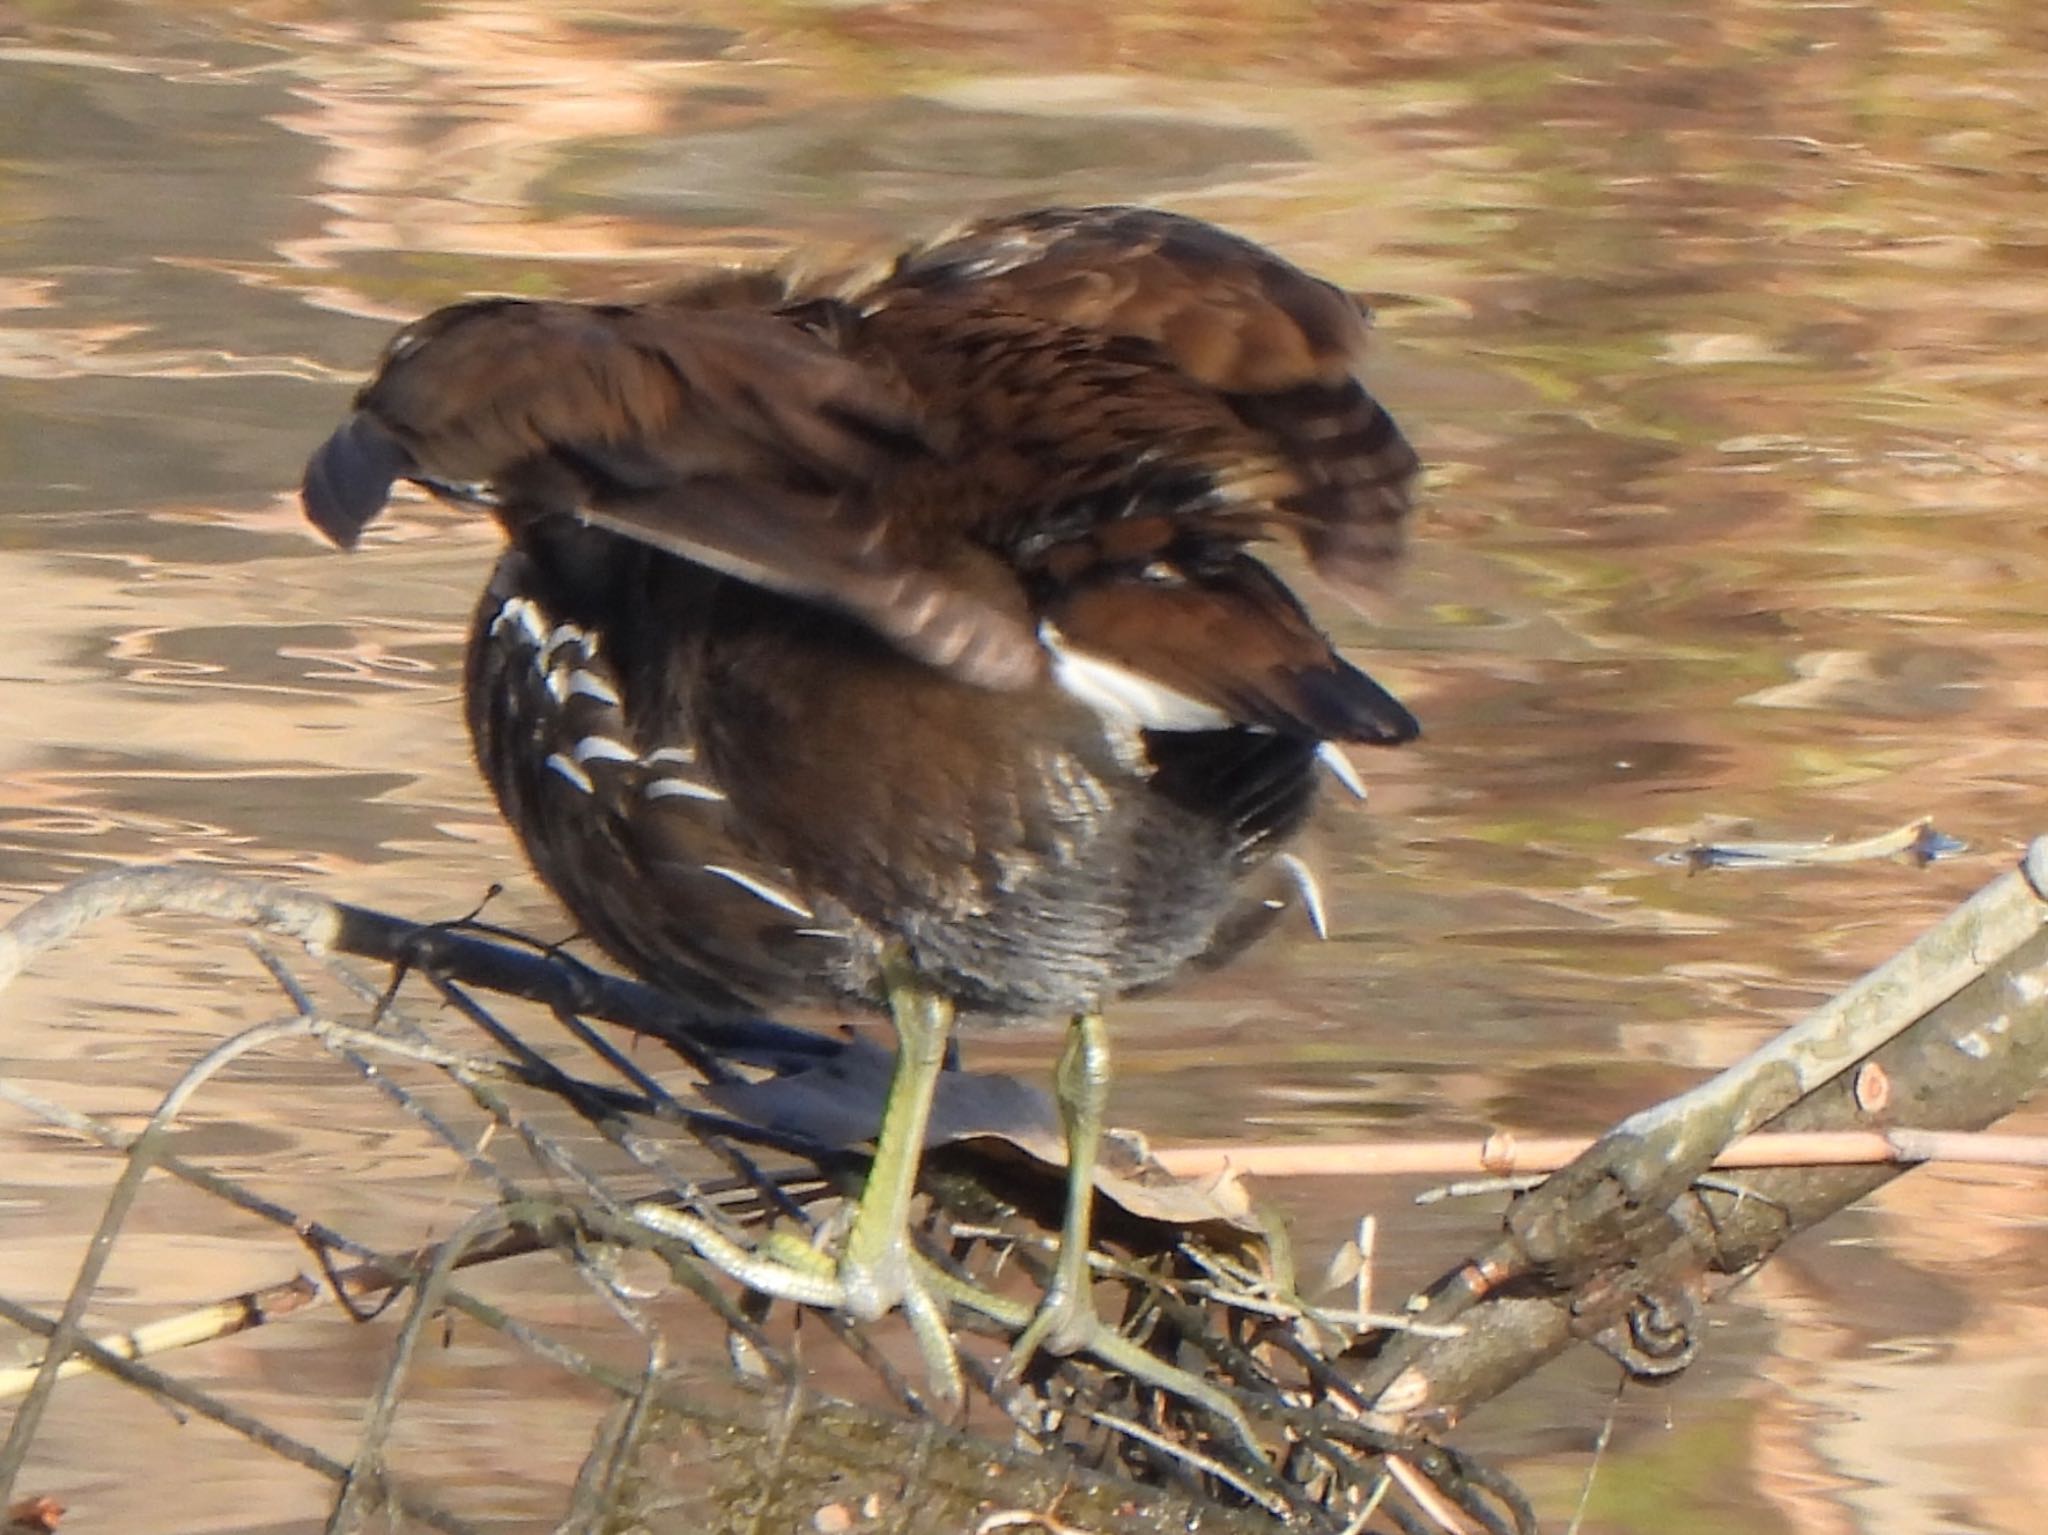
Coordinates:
[683,754]
[590,685]
[603,749]
[1125,697]
[570,771]
[564,634]
[1311,893]
[680,788]
[766,892]
[519,612]
[1332,757]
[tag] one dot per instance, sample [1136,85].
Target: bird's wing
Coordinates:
[1280,346]
[743,441]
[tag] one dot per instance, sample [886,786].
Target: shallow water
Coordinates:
[1720,327]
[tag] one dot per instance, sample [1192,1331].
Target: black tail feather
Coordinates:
[1345,704]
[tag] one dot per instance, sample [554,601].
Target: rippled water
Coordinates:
[1721,328]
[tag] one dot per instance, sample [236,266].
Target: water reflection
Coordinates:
[1720,325]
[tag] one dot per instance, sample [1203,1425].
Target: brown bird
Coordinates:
[901,641]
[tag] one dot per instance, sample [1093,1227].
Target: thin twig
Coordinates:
[67,1335]
[1503,1155]
[1244,1322]
[325,926]
[170,1389]
[1187,1455]
[1599,1456]
[376,1273]
[1422,1492]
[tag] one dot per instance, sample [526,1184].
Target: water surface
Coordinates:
[1720,327]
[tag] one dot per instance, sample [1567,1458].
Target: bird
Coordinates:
[902,639]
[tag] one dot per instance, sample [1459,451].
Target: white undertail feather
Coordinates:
[1311,892]
[1331,755]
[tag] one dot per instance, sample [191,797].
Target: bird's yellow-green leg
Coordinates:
[876,1270]
[875,1262]
[1066,1322]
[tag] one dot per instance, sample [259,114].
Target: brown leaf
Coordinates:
[839,1101]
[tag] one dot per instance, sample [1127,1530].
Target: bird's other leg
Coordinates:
[1066,1320]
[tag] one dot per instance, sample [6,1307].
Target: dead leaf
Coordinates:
[838,1100]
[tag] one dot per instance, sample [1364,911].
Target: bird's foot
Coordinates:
[1064,1323]
[864,1287]
[1076,1324]
[1113,1350]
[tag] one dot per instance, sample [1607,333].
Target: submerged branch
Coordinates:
[449,949]
[1623,1245]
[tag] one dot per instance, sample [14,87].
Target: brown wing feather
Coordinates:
[1227,312]
[1099,382]
[740,440]
[964,615]
[1280,346]
[474,389]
